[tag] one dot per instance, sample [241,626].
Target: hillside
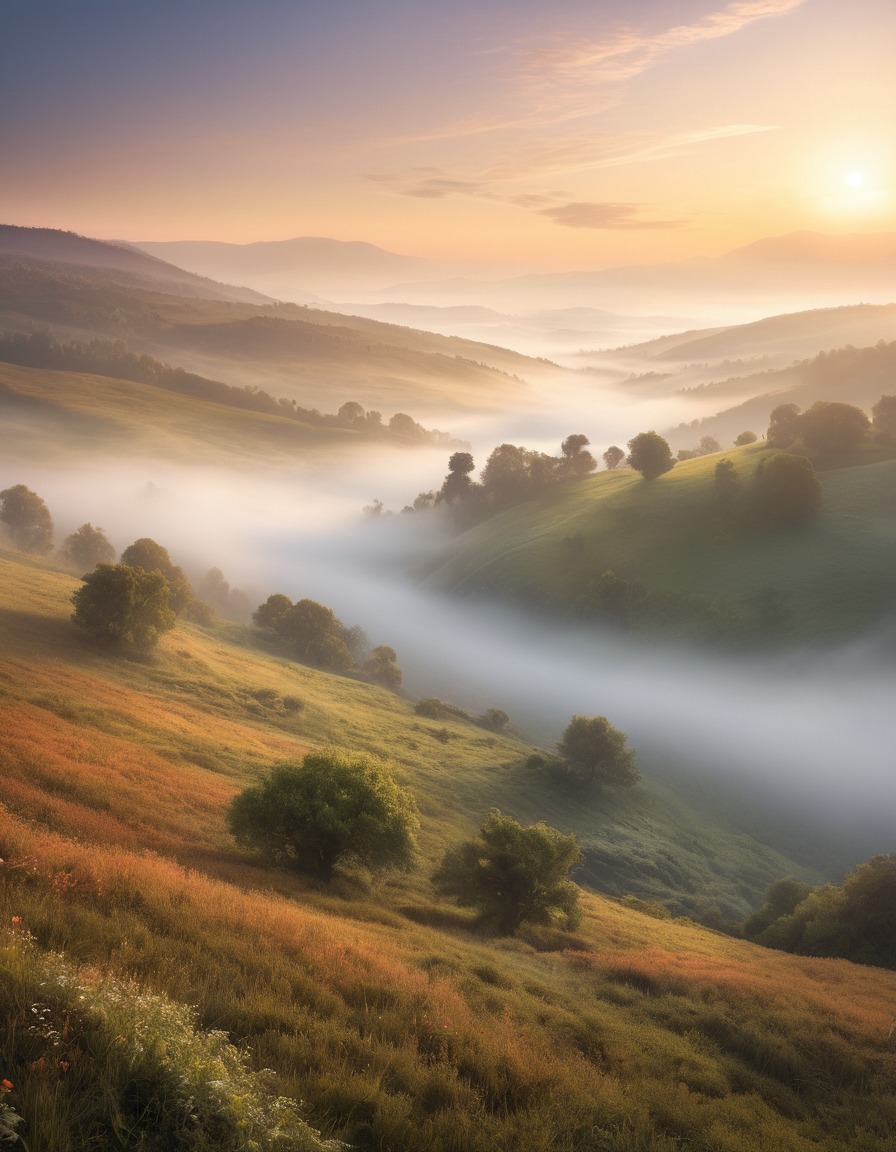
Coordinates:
[381,1008]
[710,576]
[316,357]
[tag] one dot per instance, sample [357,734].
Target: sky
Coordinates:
[575,135]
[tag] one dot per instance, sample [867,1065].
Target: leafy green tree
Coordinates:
[316,636]
[514,875]
[27,519]
[121,605]
[831,428]
[745,438]
[332,808]
[595,751]
[783,426]
[883,417]
[381,666]
[787,490]
[496,719]
[152,557]
[87,547]
[650,454]
[613,457]
[708,445]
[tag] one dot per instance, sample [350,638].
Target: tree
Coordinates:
[613,457]
[87,547]
[787,489]
[331,808]
[783,426]
[514,875]
[457,485]
[316,635]
[708,445]
[883,417]
[27,519]
[269,616]
[152,557]
[745,438]
[650,455]
[381,666]
[595,751]
[830,428]
[725,482]
[121,605]
[576,461]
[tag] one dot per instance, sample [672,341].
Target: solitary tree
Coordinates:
[27,519]
[745,438]
[514,875]
[330,809]
[787,489]
[458,485]
[87,547]
[650,454]
[121,605]
[596,751]
[613,457]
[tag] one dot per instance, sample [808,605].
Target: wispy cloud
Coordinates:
[581,214]
[556,98]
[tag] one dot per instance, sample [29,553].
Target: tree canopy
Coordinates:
[787,489]
[27,519]
[86,547]
[145,553]
[331,808]
[650,454]
[595,751]
[121,605]
[514,875]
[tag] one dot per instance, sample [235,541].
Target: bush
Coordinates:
[650,454]
[332,808]
[514,875]
[787,489]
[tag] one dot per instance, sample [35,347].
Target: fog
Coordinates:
[806,728]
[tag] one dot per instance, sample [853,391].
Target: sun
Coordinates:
[854,179]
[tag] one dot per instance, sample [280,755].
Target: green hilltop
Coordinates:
[705,571]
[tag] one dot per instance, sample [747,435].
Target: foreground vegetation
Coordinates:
[395,1021]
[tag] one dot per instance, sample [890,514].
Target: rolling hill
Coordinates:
[711,574]
[394,1020]
[318,358]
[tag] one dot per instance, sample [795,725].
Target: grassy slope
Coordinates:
[57,412]
[835,573]
[376,1005]
[319,358]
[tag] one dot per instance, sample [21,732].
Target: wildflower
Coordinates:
[17,919]
[7,1085]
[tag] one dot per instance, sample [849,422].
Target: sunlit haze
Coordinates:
[577,137]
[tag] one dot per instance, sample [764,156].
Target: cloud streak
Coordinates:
[581,214]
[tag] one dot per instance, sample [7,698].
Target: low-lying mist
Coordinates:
[813,730]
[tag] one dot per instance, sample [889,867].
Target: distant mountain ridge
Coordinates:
[55,246]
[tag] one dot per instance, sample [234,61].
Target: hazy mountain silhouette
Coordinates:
[54,246]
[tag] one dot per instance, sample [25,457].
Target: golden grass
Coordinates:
[398,1025]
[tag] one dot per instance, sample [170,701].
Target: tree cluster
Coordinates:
[511,474]
[313,634]
[855,919]
[828,428]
